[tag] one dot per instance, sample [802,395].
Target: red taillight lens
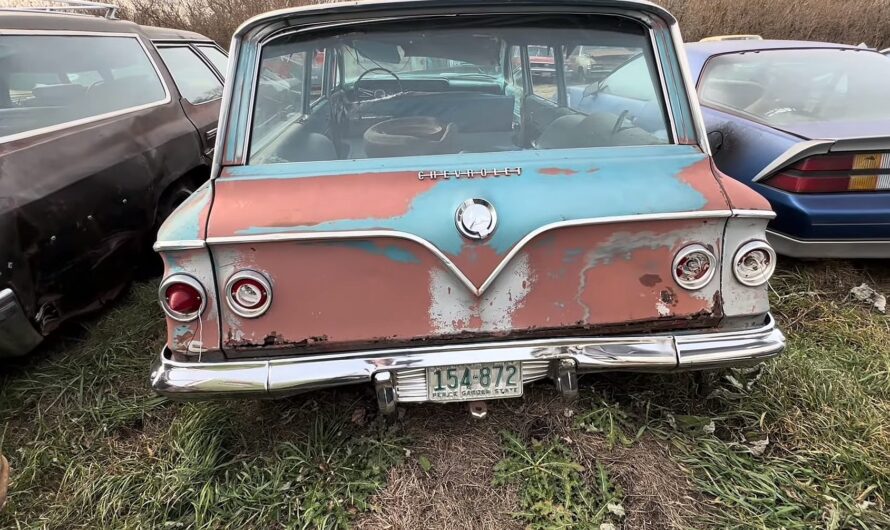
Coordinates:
[248,293]
[182,297]
[835,173]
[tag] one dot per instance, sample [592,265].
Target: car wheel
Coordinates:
[175,195]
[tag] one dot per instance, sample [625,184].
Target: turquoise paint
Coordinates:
[626,182]
[185,222]
[588,159]
[391,252]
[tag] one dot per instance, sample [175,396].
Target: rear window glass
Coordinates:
[51,80]
[457,86]
[785,87]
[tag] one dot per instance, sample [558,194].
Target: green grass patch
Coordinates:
[92,447]
[555,491]
[808,444]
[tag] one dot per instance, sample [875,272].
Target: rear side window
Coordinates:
[787,87]
[50,80]
[196,81]
[216,57]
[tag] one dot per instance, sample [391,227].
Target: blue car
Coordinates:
[807,125]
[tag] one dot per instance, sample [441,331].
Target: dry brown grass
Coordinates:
[845,21]
[461,454]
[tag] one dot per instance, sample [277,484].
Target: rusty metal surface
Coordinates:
[333,294]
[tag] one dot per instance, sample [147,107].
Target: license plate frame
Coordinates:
[439,381]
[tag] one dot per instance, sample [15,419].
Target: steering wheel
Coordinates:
[356,87]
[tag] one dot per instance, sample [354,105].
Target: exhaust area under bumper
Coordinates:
[399,375]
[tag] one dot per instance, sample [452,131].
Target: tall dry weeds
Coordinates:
[844,21]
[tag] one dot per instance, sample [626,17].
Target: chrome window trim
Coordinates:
[245,158]
[363,234]
[188,279]
[698,119]
[222,123]
[665,95]
[99,117]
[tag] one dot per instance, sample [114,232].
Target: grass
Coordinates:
[800,443]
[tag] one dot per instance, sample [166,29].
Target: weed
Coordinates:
[553,489]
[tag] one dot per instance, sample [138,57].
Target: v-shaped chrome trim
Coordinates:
[477,290]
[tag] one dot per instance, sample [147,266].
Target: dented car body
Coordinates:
[395,200]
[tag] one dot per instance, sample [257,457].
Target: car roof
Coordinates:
[36,20]
[40,21]
[698,53]
[373,7]
[159,33]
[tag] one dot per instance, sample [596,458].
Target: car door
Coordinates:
[86,133]
[200,88]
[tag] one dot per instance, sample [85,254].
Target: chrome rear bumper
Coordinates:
[822,248]
[399,374]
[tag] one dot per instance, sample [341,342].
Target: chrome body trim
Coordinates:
[793,154]
[17,334]
[823,248]
[363,234]
[300,373]
[182,244]
[756,214]
[188,279]
[83,121]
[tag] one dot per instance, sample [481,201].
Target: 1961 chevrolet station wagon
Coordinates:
[396,200]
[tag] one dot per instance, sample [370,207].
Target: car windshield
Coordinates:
[786,87]
[445,88]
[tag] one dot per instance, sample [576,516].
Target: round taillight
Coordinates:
[182,297]
[694,267]
[754,263]
[248,293]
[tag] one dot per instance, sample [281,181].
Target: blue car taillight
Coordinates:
[836,173]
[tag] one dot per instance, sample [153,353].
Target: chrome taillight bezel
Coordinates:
[241,310]
[186,279]
[704,280]
[750,246]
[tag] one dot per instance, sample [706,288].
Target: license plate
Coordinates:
[470,382]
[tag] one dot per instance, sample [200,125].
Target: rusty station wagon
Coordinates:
[397,200]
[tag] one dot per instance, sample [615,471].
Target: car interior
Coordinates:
[386,92]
